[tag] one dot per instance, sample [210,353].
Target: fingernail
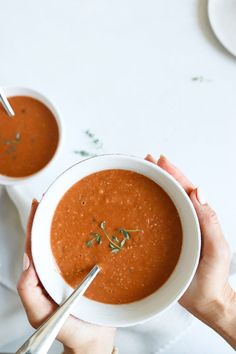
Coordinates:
[26,262]
[150,158]
[162,159]
[200,196]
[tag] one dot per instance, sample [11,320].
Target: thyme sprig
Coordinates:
[96,143]
[84,153]
[94,139]
[115,243]
[200,79]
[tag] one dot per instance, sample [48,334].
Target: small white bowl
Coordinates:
[132,313]
[23,91]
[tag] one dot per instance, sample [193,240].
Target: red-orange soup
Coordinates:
[28,140]
[127,200]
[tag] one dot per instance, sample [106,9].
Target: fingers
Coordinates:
[213,241]
[28,290]
[207,217]
[176,173]
[26,285]
[172,170]
[29,227]
[36,302]
[212,236]
[37,305]
[150,158]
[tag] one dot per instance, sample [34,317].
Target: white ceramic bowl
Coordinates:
[23,91]
[132,313]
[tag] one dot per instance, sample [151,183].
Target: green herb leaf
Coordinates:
[89,133]
[115,250]
[201,79]
[82,153]
[122,242]
[89,243]
[125,233]
[99,240]
[95,234]
[96,238]
[102,225]
[112,246]
[98,143]
[114,238]
[197,78]
[18,136]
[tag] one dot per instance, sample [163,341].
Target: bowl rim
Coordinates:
[175,297]
[12,91]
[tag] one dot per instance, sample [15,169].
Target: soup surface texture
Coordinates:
[117,205]
[28,140]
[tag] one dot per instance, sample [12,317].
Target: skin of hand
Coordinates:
[77,336]
[209,296]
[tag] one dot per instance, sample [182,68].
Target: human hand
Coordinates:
[209,296]
[77,336]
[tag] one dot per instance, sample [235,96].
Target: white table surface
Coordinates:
[124,70]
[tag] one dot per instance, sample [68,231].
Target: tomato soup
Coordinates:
[28,140]
[124,222]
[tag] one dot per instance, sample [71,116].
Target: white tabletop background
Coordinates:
[125,70]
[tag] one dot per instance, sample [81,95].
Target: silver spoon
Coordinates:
[6,104]
[42,339]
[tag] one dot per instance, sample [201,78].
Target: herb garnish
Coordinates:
[17,136]
[96,143]
[83,153]
[115,243]
[112,244]
[200,79]
[96,237]
[12,143]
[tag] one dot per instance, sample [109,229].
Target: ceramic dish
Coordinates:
[131,313]
[22,91]
[222,17]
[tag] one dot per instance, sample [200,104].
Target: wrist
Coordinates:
[96,346]
[226,320]
[221,315]
[91,348]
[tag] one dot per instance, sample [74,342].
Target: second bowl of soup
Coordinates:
[31,139]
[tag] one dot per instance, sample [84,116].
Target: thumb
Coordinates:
[34,206]
[27,283]
[36,302]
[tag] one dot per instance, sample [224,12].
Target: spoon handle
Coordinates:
[6,104]
[42,339]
